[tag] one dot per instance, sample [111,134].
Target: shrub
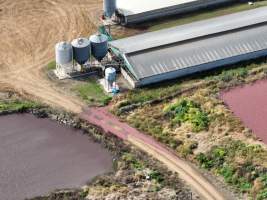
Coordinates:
[134,163]
[188,111]
[262,194]
[157,176]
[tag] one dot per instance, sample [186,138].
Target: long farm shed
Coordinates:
[199,46]
[136,11]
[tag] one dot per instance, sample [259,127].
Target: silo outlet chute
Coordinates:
[99,46]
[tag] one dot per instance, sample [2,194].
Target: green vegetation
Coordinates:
[92,93]
[188,111]
[51,65]
[151,93]
[17,105]
[263,193]
[238,163]
[150,124]
[136,164]
[132,161]
[236,72]
[202,15]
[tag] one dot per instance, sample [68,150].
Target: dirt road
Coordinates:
[110,124]
[29,30]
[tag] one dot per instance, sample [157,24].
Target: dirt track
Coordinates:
[28,31]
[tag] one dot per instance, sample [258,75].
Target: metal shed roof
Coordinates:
[191,31]
[170,58]
[133,7]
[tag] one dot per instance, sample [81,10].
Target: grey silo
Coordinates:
[99,46]
[81,50]
[64,53]
[110,7]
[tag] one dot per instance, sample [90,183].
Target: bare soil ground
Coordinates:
[28,31]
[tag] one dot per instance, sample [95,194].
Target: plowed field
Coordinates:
[29,30]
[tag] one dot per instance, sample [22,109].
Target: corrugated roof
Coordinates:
[191,31]
[169,58]
[139,6]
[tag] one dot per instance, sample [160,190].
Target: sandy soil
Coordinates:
[29,30]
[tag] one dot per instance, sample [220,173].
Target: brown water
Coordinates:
[39,155]
[249,103]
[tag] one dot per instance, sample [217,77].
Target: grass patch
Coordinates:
[142,95]
[239,71]
[150,124]
[92,93]
[51,65]
[206,14]
[188,111]
[17,105]
[132,161]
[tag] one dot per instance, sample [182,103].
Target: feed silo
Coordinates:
[99,46]
[64,53]
[109,7]
[110,77]
[81,50]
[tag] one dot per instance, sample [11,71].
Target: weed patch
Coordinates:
[188,111]
[17,105]
[92,93]
[238,164]
[51,65]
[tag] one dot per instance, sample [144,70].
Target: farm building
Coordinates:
[187,49]
[132,12]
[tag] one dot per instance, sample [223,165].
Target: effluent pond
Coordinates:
[38,156]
